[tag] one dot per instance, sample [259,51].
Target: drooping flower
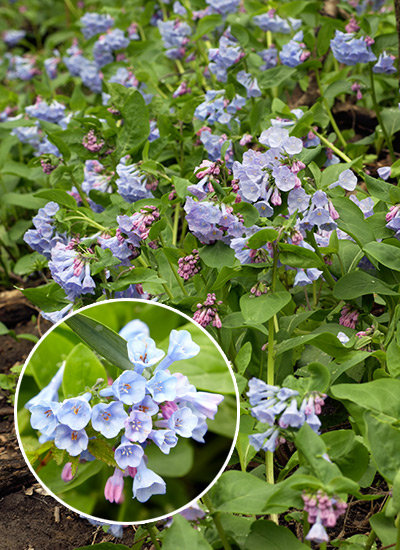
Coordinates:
[147,483]
[109,419]
[113,491]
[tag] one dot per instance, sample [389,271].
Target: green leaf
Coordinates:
[312,447]
[249,212]
[262,237]
[136,128]
[177,463]
[243,357]
[23,200]
[59,196]
[29,263]
[382,396]
[350,455]
[261,308]
[101,450]
[391,120]
[82,369]
[181,185]
[137,275]
[351,220]
[377,187]
[275,76]
[245,450]
[105,260]
[218,255]
[207,24]
[240,493]
[78,100]
[393,359]
[182,536]
[324,341]
[358,283]
[49,297]
[384,441]
[385,528]
[105,341]
[266,534]
[61,145]
[385,254]
[297,256]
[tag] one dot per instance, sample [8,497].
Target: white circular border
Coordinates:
[142,302]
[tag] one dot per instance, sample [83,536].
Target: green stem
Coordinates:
[328,110]
[82,216]
[269,457]
[378,114]
[327,274]
[370,540]
[72,8]
[153,532]
[176,224]
[217,522]
[329,144]
[398,532]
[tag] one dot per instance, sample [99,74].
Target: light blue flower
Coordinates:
[138,425]
[73,441]
[109,419]
[291,416]
[164,439]
[142,352]
[181,347]
[49,392]
[129,387]
[183,422]
[147,483]
[206,403]
[43,416]
[347,181]
[257,440]
[162,386]
[134,328]
[147,406]
[128,454]
[74,413]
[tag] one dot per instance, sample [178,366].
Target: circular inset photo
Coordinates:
[127,411]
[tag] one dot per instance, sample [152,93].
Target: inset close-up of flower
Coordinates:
[127,426]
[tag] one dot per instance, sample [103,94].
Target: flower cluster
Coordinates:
[323,511]
[350,50]
[278,407]
[44,237]
[189,265]
[144,406]
[207,312]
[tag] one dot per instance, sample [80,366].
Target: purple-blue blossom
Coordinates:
[129,387]
[270,21]
[73,441]
[138,426]
[350,50]
[385,64]
[128,454]
[147,483]
[294,52]
[109,419]
[95,23]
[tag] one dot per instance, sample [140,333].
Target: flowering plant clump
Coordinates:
[116,423]
[238,162]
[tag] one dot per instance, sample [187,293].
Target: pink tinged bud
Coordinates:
[276,199]
[332,211]
[66,474]
[168,409]
[369,41]
[113,491]
[132,471]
